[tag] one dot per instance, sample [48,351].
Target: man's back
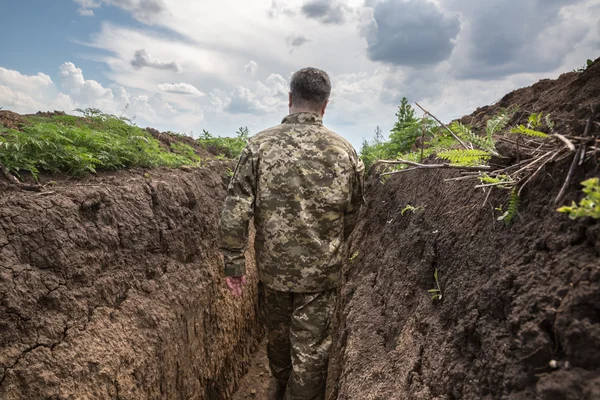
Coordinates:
[304,182]
[305,175]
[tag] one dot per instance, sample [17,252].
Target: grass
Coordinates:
[225,147]
[79,146]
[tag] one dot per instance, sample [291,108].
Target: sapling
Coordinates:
[437,291]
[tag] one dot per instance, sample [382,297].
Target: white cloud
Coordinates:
[251,67]
[85,12]
[180,88]
[142,59]
[18,80]
[146,11]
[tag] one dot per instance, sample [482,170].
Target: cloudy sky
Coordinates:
[186,65]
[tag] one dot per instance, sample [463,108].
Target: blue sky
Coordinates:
[187,66]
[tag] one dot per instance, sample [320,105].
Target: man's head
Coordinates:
[309,91]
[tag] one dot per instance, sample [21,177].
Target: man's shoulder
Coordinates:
[316,132]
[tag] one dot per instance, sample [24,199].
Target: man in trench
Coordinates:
[303,185]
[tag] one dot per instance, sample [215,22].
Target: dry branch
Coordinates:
[566,141]
[565,186]
[432,166]
[13,180]
[444,126]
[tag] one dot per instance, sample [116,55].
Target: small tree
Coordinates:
[406,130]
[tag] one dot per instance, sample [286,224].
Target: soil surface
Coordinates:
[520,312]
[258,382]
[111,287]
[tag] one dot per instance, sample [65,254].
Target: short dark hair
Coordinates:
[310,87]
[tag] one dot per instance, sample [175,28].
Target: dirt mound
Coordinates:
[519,317]
[567,100]
[111,288]
[168,138]
[11,119]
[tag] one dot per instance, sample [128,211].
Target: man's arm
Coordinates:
[357,197]
[235,217]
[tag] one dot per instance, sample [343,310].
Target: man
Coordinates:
[303,185]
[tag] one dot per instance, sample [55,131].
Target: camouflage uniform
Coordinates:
[303,184]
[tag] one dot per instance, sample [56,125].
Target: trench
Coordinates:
[111,287]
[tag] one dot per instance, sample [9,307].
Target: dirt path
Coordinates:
[257,383]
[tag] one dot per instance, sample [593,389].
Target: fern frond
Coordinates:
[549,122]
[534,120]
[513,207]
[465,132]
[528,132]
[466,158]
[496,124]
[485,178]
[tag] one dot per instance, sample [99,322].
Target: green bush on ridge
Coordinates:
[77,146]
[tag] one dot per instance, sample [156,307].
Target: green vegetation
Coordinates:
[353,256]
[535,122]
[226,147]
[511,212]
[436,293]
[77,146]
[589,206]
[411,209]
[587,64]
[97,141]
[403,137]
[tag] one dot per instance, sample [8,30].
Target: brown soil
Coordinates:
[11,120]
[258,382]
[520,313]
[166,138]
[111,288]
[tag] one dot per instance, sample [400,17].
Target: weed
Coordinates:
[589,206]
[465,157]
[512,209]
[587,64]
[499,181]
[353,256]
[534,123]
[411,209]
[226,147]
[436,293]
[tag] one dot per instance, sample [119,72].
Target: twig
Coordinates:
[566,141]
[565,186]
[444,126]
[423,136]
[12,179]
[533,162]
[582,153]
[398,171]
[484,185]
[432,166]
[487,196]
[462,178]
[536,172]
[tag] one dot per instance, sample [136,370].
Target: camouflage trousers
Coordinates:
[298,340]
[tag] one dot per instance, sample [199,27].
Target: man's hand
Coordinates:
[236,284]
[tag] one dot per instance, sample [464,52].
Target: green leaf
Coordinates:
[528,132]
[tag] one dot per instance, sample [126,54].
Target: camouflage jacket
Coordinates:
[303,184]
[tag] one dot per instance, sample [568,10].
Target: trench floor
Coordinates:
[257,383]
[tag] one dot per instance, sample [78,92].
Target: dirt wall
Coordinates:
[514,298]
[111,288]
[520,312]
